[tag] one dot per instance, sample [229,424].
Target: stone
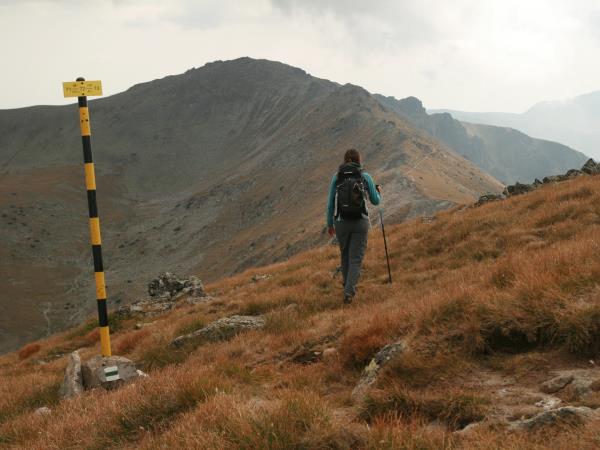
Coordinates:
[222,329]
[556,384]
[194,287]
[256,278]
[518,189]
[571,415]
[142,374]
[292,308]
[591,167]
[371,372]
[573,173]
[72,384]
[487,198]
[582,386]
[474,426]
[43,411]
[551,179]
[165,293]
[548,402]
[167,286]
[330,354]
[95,376]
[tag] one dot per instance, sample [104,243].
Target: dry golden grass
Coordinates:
[510,288]
[28,350]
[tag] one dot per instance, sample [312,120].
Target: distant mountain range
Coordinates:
[572,122]
[208,172]
[505,153]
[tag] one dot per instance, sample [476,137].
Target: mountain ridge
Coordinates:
[571,122]
[504,152]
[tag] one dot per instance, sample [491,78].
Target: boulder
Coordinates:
[222,329]
[591,167]
[147,308]
[552,179]
[43,411]
[567,415]
[168,286]
[165,293]
[72,384]
[107,372]
[573,173]
[556,384]
[518,189]
[371,372]
[487,198]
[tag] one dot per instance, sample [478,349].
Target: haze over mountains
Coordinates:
[573,122]
[210,172]
[505,153]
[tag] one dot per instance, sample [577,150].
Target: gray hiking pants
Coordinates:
[352,238]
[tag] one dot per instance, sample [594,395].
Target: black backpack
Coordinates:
[350,192]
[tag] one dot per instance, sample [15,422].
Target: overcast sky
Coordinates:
[480,55]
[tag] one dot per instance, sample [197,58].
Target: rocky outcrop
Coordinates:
[166,292]
[589,168]
[487,198]
[222,329]
[556,384]
[107,372]
[167,287]
[567,415]
[72,384]
[578,383]
[371,372]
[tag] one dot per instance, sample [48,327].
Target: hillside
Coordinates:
[505,153]
[487,305]
[212,171]
[572,122]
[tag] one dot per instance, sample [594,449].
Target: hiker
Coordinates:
[348,217]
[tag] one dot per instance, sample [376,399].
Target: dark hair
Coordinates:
[352,155]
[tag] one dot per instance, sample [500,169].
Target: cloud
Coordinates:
[464,54]
[382,24]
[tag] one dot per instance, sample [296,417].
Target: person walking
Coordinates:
[348,217]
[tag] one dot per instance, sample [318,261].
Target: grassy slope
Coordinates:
[507,290]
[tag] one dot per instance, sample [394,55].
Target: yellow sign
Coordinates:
[82,88]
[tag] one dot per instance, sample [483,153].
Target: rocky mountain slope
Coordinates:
[218,169]
[506,153]
[488,338]
[573,122]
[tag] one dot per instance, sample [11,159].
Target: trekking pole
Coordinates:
[387,257]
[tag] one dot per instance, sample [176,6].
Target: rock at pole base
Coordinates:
[107,372]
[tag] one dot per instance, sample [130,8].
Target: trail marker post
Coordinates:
[82,89]
[387,257]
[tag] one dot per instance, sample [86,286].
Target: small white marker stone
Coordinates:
[112,373]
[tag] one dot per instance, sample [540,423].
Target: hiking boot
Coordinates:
[348,299]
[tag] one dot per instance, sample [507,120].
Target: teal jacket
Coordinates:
[374,196]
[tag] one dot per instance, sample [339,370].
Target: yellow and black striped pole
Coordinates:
[83,87]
